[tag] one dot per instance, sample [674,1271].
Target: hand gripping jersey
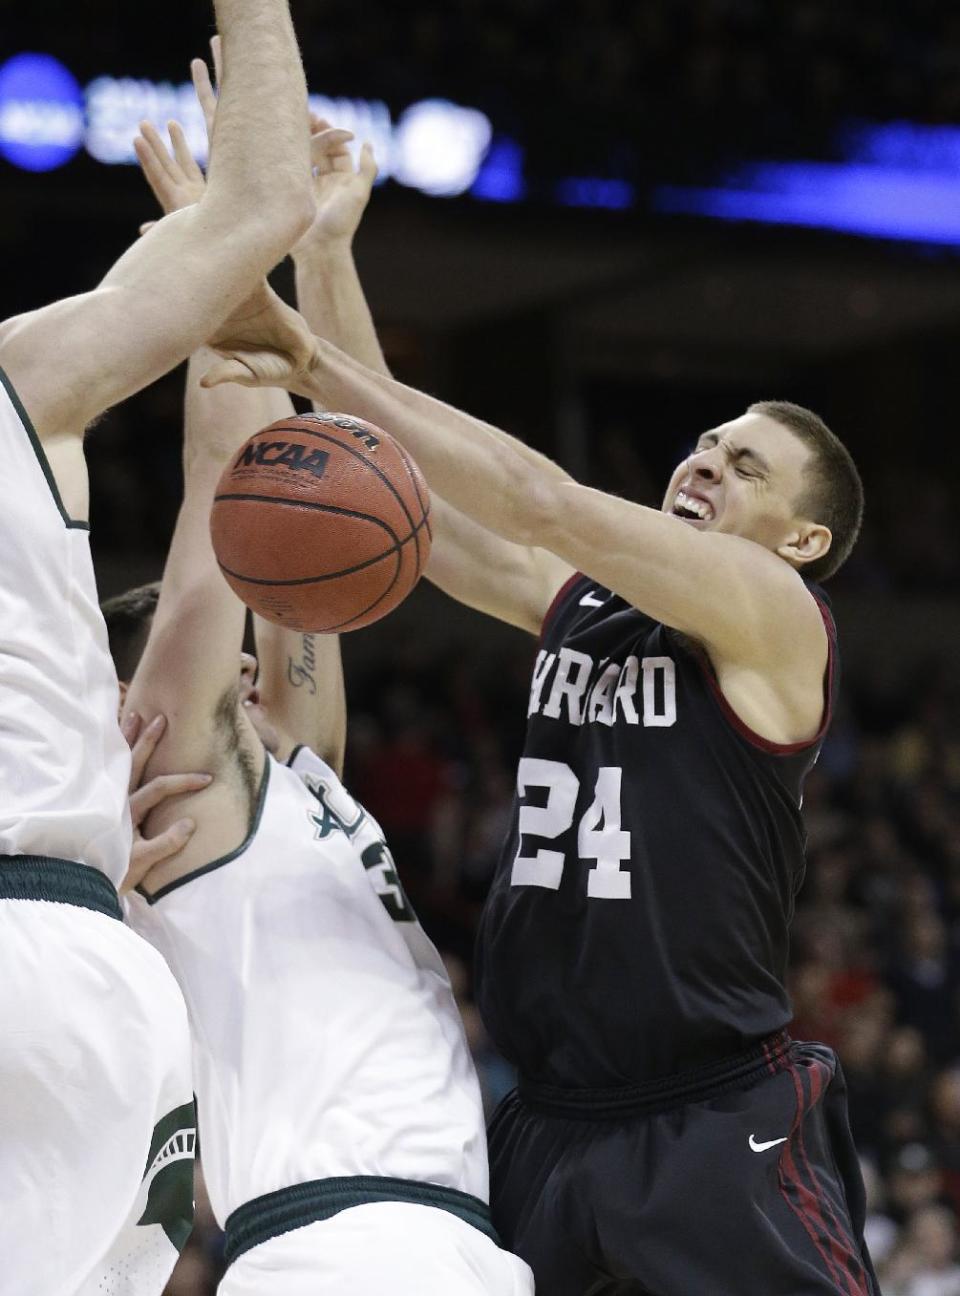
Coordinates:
[326,1038]
[64,767]
[637,924]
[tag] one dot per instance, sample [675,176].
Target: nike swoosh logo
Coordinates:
[762,1147]
[588,600]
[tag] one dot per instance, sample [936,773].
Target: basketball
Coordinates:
[321,523]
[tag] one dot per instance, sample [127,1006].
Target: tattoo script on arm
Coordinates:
[302,669]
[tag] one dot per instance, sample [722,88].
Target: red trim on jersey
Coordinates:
[556,601]
[766,744]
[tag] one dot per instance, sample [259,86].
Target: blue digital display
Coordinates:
[41,112]
[595,191]
[500,178]
[892,180]
[898,181]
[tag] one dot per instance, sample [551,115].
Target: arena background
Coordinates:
[571,294]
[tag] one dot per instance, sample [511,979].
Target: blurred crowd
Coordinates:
[876,949]
[876,959]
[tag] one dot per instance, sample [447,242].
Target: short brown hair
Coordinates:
[832,493]
[128,617]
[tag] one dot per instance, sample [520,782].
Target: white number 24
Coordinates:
[599,835]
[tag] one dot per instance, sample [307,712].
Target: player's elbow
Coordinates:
[299,213]
[267,226]
[283,218]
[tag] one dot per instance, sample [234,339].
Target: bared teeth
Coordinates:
[690,504]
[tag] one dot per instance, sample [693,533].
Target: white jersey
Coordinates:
[64,766]
[326,1037]
[96,1109]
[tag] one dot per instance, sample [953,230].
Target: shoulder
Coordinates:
[779,623]
[783,690]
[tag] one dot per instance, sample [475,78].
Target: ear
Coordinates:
[806,544]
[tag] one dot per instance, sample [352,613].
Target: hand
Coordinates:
[148,852]
[341,190]
[176,181]
[265,344]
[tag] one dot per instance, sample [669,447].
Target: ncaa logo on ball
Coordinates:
[283,454]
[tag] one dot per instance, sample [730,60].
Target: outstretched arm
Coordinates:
[166,294]
[744,603]
[514,583]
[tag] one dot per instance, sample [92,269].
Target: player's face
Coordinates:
[743,478]
[252,707]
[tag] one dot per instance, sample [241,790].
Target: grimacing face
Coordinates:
[743,478]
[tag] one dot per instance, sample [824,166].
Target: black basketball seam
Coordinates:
[396,576]
[403,460]
[293,502]
[339,625]
[325,436]
[395,548]
[424,509]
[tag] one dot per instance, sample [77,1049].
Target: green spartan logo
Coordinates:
[170,1174]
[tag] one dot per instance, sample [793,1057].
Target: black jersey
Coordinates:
[637,925]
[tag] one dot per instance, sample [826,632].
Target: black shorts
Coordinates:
[747,1183]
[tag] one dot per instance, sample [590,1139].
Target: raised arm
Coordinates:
[329,293]
[165,296]
[300,688]
[514,583]
[190,669]
[300,682]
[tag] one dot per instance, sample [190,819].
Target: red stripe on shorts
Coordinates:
[841,1238]
[804,1203]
